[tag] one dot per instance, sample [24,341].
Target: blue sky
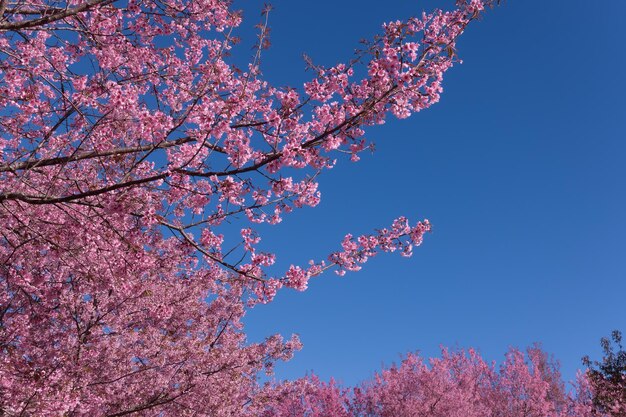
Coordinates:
[520,168]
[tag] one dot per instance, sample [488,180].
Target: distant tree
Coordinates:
[608,377]
[459,384]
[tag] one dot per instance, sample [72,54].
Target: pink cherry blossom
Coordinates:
[128,141]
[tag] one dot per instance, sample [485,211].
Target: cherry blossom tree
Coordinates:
[127,139]
[458,384]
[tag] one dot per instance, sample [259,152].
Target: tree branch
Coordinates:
[54,17]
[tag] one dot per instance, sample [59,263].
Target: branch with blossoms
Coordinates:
[400,237]
[404,76]
[356,251]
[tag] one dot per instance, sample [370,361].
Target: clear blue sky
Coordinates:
[520,167]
